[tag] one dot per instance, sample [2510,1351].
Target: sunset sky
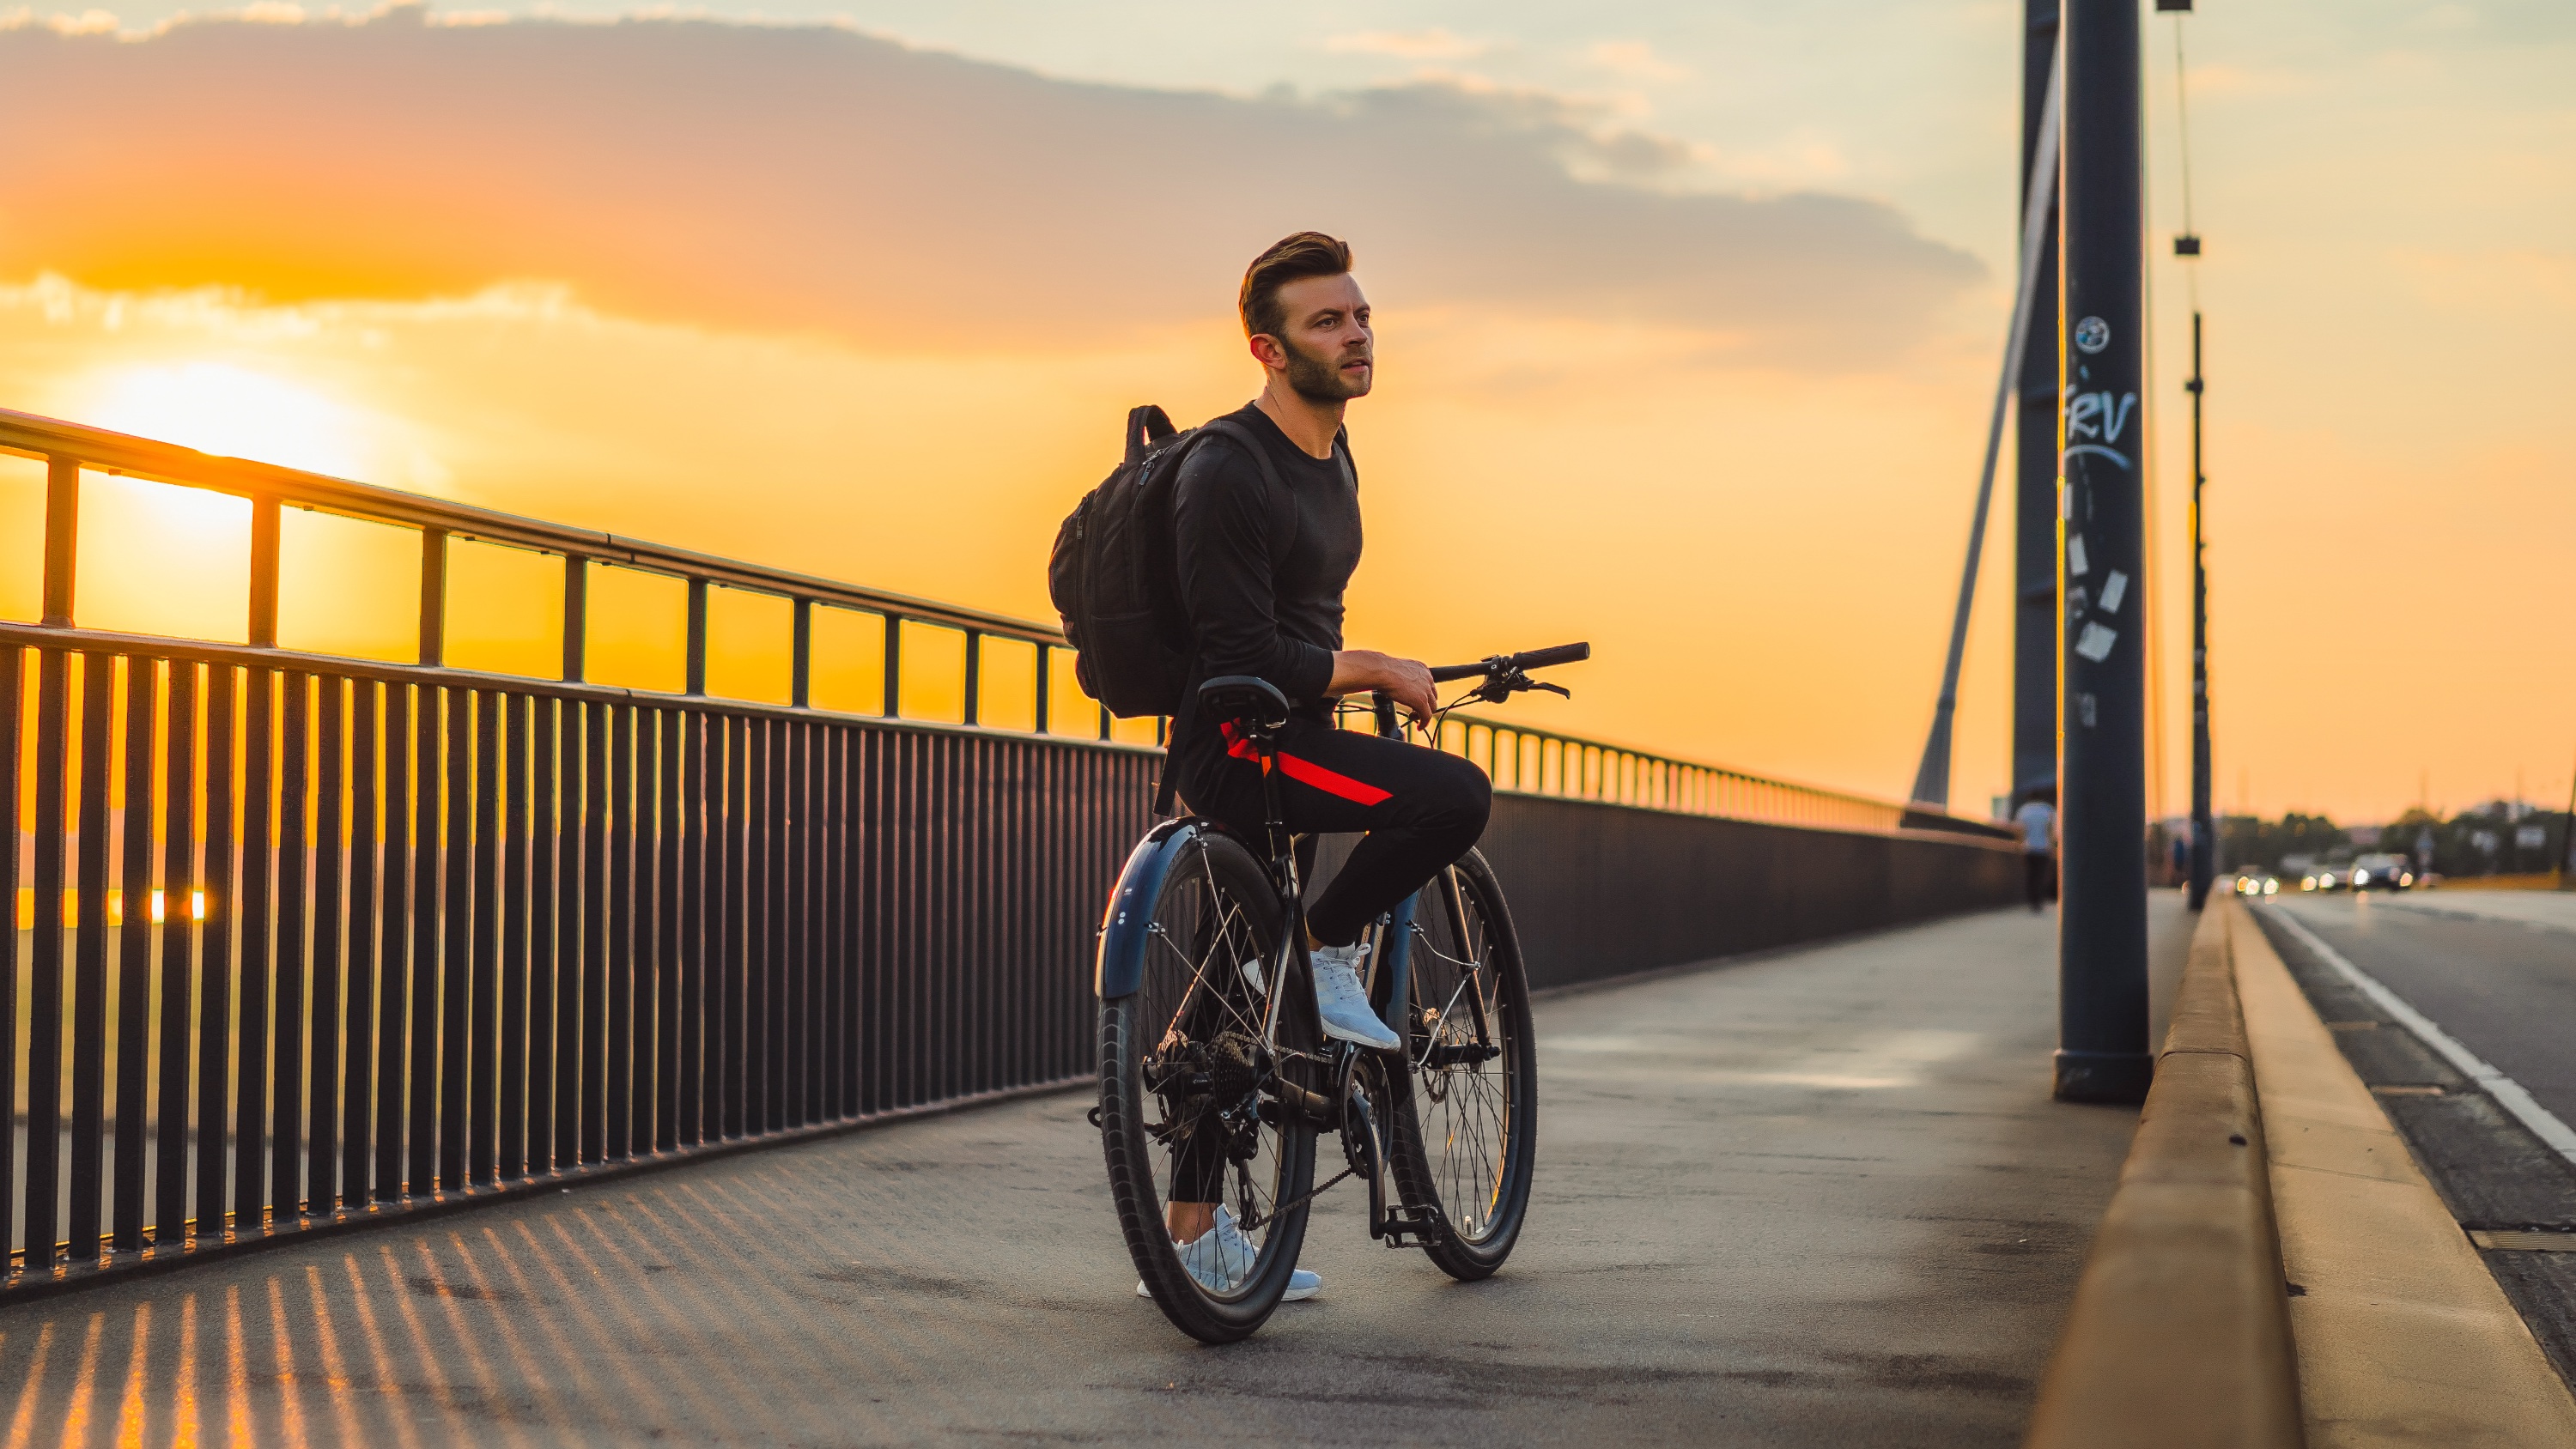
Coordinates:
[1688,314]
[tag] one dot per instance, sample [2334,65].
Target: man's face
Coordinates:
[1326,349]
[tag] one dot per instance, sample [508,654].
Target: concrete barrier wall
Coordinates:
[2180,1329]
[1604,890]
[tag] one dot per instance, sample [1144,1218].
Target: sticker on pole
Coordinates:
[2095,642]
[2092,334]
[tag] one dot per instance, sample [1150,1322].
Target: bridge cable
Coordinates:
[1932,780]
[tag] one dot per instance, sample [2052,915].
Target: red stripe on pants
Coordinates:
[1331,782]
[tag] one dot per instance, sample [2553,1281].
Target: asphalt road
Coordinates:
[1820,1198]
[2496,971]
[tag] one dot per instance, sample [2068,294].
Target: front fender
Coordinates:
[1126,926]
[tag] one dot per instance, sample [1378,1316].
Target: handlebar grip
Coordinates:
[1542,658]
[1506,663]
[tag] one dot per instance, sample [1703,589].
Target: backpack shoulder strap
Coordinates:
[1242,437]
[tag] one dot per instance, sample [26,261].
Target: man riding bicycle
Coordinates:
[1263,557]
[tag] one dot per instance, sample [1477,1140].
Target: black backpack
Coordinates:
[1113,577]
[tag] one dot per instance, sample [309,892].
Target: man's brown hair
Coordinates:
[1291,258]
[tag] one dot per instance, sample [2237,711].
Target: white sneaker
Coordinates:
[1343,1002]
[1223,1255]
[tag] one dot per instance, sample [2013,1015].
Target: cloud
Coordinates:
[1636,60]
[1432,44]
[816,179]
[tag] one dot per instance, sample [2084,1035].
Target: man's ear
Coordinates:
[1267,351]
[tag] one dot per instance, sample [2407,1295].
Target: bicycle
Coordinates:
[1214,1085]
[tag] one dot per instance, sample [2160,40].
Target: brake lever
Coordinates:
[1498,688]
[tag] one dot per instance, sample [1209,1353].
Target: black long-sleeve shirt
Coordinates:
[1262,568]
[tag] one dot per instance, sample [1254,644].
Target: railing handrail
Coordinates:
[269,486]
[159,462]
[1822,792]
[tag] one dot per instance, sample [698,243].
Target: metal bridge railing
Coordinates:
[1541,762]
[304,939]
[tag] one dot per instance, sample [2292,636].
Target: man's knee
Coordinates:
[1455,798]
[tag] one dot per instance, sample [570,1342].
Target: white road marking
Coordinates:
[2508,1093]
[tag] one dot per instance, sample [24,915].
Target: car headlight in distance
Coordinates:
[2307,882]
[2407,879]
[2271,888]
[2361,877]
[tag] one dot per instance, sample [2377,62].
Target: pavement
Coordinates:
[1816,1198]
[2496,971]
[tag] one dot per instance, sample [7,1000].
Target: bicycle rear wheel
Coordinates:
[1191,1094]
[1466,1118]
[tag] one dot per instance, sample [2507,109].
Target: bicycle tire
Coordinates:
[1219,899]
[1453,1162]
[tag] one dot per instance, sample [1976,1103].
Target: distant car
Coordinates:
[2330,878]
[2258,885]
[2382,873]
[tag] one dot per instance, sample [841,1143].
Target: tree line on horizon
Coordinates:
[2488,839]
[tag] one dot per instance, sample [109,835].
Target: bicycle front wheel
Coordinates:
[1466,1121]
[1201,1106]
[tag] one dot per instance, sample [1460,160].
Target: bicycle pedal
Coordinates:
[1424,1231]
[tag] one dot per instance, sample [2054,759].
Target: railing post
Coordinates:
[1041,712]
[263,573]
[974,675]
[433,597]
[62,537]
[576,618]
[697,666]
[893,666]
[1104,724]
[800,665]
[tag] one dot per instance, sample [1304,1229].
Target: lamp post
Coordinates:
[2102,922]
[2204,845]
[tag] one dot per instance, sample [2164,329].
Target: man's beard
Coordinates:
[1316,379]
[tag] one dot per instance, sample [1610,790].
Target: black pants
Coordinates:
[2036,865]
[1420,810]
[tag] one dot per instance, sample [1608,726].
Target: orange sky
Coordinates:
[814,299]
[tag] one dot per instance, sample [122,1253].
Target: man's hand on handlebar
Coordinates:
[1406,681]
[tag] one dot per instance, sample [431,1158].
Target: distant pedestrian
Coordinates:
[2037,818]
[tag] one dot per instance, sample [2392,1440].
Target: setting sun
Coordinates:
[217,407]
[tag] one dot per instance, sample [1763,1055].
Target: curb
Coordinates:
[2404,1336]
[2179,1332]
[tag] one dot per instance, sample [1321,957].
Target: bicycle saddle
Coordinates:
[1244,697]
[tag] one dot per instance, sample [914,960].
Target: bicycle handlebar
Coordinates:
[1505,664]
